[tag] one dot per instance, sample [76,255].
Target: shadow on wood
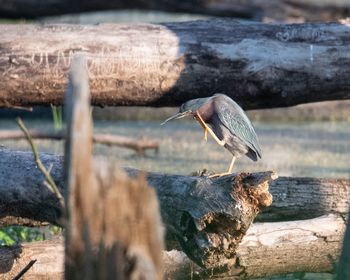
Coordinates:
[256,64]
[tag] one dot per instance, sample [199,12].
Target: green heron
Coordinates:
[230,126]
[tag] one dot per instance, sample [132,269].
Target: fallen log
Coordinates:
[202,213]
[279,10]
[305,198]
[274,248]
[266,250]
[23,194]
[258,65]
[138,145]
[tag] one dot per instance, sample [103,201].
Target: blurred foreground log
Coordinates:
[138,145]
[113,226]
[279,10]
[258,65]
[267,249]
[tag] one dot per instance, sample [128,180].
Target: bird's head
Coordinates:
[188,108]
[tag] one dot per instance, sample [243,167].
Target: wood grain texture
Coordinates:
[278,10]
[24,195]
[273,248]
[267,249]
[258,65]
[206,215]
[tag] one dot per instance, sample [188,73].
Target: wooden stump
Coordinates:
[113,228]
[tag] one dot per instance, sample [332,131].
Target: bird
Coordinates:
[226,122]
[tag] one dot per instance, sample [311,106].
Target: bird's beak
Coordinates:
[177,116]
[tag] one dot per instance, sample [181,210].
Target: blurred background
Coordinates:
[307,140]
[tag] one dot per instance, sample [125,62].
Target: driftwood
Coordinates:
[267,249]
[193,208]
[280,10]
[138,145]
[258,65]
[274,248]
[294,198]
[305,198]
[24,195]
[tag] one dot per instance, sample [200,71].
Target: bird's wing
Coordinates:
[236,121]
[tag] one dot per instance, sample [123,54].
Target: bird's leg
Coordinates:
[208,129]
[203,125]
[229,171]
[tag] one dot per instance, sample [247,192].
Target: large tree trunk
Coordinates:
[280,10]
[267,249]
[258,65]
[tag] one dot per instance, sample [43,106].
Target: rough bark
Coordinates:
[306,198]
[267,249]
[138,145]
[258,65]
[193,208]
[24,195]
[280,10]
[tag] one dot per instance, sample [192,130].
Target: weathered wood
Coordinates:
[305,198]
[24,195]
[193,208]
[138,145]
[267,249]
[343,270]
[274,248]
[113,225]
[280,10]
[258,65]
[49,256]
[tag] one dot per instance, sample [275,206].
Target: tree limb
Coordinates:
[139,145]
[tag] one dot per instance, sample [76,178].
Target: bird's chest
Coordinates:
[206,111]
